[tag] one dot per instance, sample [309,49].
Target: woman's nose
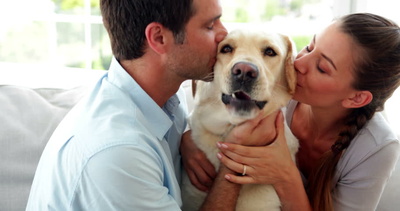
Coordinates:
[300,64]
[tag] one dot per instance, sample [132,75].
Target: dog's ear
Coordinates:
[290,72]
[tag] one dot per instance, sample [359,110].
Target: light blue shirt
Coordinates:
[116,150]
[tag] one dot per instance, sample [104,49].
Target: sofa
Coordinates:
[32,103]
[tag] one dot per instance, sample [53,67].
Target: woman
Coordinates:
[347,150]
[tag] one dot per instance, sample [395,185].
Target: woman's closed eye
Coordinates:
[320,69]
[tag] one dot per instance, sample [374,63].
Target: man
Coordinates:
[118,149]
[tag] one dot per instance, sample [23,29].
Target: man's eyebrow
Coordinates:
[216,18]
[325,56]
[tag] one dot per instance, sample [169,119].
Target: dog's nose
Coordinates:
[244,71]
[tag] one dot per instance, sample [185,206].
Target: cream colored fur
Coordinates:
[211,119]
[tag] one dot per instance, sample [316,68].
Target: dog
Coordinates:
[254,73]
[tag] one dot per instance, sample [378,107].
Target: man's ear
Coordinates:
[358,99]
[156,36]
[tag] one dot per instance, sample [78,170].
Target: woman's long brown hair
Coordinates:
[378,71]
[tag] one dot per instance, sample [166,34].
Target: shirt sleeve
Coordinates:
[124,178]
[360,188]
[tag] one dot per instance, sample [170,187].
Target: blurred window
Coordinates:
[300,19]
[69,33]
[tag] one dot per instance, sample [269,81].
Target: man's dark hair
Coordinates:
[126,21]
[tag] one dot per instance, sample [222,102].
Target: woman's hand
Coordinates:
[270,164]
[259,131]
[199,169]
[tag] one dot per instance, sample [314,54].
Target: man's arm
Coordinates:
[223,194]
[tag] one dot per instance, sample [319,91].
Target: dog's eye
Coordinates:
[269,52]
[226,49]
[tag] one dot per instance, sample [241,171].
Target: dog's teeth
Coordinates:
[233,95]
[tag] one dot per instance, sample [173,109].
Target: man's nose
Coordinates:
[222,32]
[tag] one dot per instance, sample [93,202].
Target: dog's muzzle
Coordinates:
[243,77]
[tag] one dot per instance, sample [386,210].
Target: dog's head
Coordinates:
[255,73]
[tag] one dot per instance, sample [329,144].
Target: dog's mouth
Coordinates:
[242,101]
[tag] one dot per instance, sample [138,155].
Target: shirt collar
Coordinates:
[159,120]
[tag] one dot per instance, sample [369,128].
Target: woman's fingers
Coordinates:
[239,179]
[280,127]
[232,165]
[237,151]
[244,172]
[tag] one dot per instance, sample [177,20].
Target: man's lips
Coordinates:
[241,100]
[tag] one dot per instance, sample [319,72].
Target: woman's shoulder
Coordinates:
[375,139]
[379,130]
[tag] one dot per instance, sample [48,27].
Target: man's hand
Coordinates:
[199,169]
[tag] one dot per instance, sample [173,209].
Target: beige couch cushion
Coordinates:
[27,120]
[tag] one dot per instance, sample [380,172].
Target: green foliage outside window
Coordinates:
[72,4]
[301,41]
[274,8]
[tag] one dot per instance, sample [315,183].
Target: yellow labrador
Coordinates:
[254,73]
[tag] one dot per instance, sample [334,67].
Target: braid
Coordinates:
[355,121]
[320,180]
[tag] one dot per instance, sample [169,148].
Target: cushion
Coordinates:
[28,117]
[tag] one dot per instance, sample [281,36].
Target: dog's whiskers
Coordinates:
[208,77]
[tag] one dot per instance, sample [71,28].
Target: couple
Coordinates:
[119,148]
